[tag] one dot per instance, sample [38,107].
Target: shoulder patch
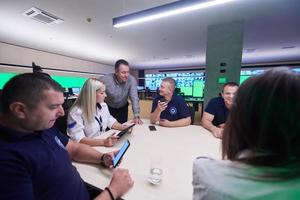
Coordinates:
[57,140]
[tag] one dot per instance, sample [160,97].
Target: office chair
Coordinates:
[192,111]
[61,124]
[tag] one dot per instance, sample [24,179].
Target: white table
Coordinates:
[177,148]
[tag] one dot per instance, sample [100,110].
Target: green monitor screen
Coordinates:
[70,81]
[64,81]
[198,87]
[188,91]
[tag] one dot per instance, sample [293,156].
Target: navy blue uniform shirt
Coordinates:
[216,107]
[37,166]
[176,109]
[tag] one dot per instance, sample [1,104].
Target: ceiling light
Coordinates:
[288,47]
[166,10]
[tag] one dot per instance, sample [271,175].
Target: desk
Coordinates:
[177,147]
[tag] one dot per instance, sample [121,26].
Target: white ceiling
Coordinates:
[179,41]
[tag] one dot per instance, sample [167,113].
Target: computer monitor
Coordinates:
[76,90]
[198,87]
[187,91]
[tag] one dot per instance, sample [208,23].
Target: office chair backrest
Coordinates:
[192,111]
[61,123]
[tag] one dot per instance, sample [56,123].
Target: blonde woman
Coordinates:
[89,116]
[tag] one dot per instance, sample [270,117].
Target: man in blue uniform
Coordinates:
[35,158]
[216,111]
[169,109]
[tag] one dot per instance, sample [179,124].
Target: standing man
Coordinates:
[120,86]
[168,108]
[34,157]
[217,109]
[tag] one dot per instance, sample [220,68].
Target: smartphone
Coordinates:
[121,133]
[152,128]
[121,153]
[162,100]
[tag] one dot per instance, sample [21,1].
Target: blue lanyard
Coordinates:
[99,122]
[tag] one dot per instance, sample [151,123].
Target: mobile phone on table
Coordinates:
[121,153]
[152,128]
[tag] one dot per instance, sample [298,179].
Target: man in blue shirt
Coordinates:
[169,109]
[35,158]
[216,111]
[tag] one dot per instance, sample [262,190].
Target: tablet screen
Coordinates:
[121,152]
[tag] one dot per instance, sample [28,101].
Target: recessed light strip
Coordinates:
[166,10]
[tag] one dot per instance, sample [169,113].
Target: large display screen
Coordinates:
[187,82]
[64,81]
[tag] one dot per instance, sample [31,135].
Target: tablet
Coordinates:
[120,134]
[121,153]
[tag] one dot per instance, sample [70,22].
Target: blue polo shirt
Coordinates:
[37,166]
[176,109]
[216,107]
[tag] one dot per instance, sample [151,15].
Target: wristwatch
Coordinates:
[102,162]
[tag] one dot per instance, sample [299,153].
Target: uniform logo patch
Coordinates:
[71,125]
[173,110]
[57,140]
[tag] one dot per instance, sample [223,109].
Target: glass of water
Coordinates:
[155,173]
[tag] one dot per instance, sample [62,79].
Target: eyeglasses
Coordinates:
[100,123]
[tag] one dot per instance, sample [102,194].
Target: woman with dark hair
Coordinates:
[260,145]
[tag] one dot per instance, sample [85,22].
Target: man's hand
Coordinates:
[217,132]
[110,140]
[107,159]
[120,183]
[164,122]
[161,106]
[127,125]
[137,120]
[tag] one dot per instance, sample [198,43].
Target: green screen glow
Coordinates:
[70,81]
[4,77]
[64,81]
[188,91]
[222,80]
[198,88]
[243,78]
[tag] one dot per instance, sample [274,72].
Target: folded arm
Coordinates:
[206,122]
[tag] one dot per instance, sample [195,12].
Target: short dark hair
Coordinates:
[27,88]
[264,118]
[231,84]
[121,62]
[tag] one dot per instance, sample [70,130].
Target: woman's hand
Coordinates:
[111,140]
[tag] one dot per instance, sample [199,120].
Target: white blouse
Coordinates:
[78,127]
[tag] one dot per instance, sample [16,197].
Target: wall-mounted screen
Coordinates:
[64,81]
[198,89]
[184,81]
[76,90]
